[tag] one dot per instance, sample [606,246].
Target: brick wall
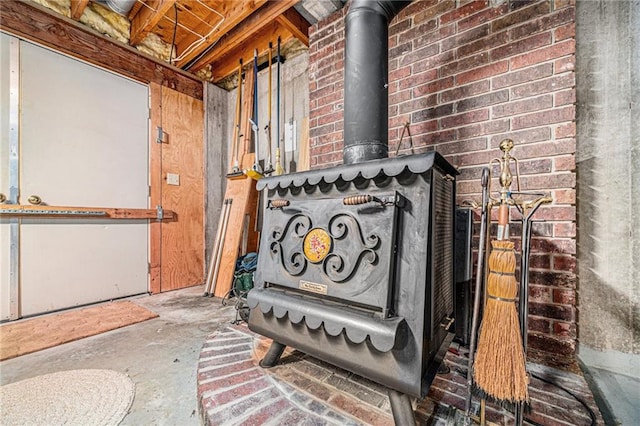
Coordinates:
[465,75]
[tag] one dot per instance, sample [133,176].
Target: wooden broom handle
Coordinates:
[503,221]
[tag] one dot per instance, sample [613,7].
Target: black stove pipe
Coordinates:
[366,69]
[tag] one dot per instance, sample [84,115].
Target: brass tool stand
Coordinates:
[527,203]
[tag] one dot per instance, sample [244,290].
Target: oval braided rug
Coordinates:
[74,397]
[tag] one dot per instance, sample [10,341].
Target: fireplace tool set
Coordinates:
[497,349]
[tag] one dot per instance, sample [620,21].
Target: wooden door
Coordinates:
[177,184]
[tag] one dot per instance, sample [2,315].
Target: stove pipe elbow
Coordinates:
[366,69]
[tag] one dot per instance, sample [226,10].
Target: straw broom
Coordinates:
[500,365]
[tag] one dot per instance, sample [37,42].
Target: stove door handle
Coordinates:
[356,200]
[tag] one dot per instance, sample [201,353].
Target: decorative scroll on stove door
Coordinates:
[334,247]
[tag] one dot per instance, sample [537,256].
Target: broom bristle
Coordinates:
[500,366]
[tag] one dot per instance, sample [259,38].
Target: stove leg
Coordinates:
[273,355]
[401,408]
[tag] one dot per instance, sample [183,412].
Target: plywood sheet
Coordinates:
[36,334]
[182,155]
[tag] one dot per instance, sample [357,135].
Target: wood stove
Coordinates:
[356,261]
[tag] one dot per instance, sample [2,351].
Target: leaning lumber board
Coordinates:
[244,195]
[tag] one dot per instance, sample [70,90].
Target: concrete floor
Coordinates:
[160,356]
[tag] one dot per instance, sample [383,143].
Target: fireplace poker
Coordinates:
[484,182]
[500,365]
[527,209]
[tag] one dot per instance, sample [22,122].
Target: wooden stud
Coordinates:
[33,22]
[233,11]
[77,8]
[224,66]
[249,28]
[147,18]
[297,24]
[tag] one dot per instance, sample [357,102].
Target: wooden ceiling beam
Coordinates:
[228,64]
[247,29]
[35,23]
[292,20]
[77,8]
[147,18]
[233,11]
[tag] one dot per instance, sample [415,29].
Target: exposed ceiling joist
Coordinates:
[293,21]
[249,28]
[77,8]
[147,18]
[226,65]
[234,12]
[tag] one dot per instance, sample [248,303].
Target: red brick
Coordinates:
[442,33]
[399,27]
[546,149]
[418,30]
[268,412]
[554,279]
[433,87]
[466,118]
[565,130]
[566,97]
[523,137]
[484,100]
[465,64]
[463,92]
[551,344]
[486,15]
[431,113]
[540,294]
[568,63]
[523,76]
[433,62]
[488,128]
[564,264]
[542,23]
[462,38]
[520,107]
[564,230]
[521,46]
[360,411]
[564,297]
[228,381]
[554,51]
[565,163]
[400,97]
[522,15]
[225,396]
[420,54]
[547,310]
[440,8]
[482,72]
[463,11]
[565,32]
[540,325]
[224,370]
[542,118]
[483,44]
[417,79]
[400,50]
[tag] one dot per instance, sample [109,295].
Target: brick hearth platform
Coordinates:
[301,390]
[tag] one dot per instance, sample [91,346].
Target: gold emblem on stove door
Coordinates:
[316,245]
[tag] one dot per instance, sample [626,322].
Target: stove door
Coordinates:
[342,248]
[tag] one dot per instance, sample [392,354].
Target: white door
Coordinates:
[83,143]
